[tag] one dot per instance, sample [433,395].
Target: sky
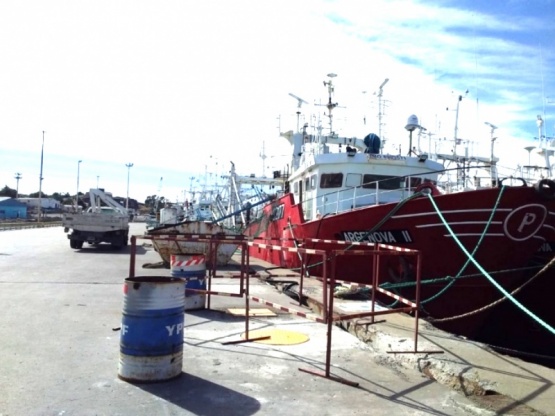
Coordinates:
[180,89]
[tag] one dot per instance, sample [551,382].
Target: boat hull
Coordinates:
[165,248]
[500,228]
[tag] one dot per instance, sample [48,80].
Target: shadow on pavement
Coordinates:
[203,397]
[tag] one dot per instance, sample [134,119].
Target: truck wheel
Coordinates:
[79,244]
[72,243]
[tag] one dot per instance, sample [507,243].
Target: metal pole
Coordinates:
[77,193]
[17,178]
[133,256]
[492,169]
[129,166]
[40,178]
[380,111]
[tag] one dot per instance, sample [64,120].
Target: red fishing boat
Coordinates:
[474,244]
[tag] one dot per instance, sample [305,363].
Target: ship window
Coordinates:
[384,182]
[296,187]
[313,182]
[307,184]
[353,180]
[331,180]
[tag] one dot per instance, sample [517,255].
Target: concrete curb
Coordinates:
[450,370]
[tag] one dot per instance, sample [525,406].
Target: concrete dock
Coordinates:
[60,321]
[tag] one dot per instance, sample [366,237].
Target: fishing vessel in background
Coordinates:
[476,244]
[222,213]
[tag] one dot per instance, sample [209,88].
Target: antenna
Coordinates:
[540,124]
[492,168]
[493,128]
[380,107]
[263,157]
[459,99]
[300,102]
[412,124]
[529,150]
[330,105]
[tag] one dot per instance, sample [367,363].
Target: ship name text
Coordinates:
[383,237]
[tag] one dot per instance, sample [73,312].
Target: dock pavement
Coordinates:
[62,311]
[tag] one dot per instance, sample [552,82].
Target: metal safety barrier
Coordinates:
[328,280]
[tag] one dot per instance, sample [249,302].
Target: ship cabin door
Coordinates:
[309,188]
[299,186]
[305,189]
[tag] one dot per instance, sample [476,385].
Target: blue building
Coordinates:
[11,208]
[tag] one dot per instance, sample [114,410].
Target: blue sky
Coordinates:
[181,88]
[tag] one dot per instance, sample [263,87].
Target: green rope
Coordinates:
[388,285]
[465,265]
[492,281]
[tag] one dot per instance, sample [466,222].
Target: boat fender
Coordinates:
[546,188]
[427,188]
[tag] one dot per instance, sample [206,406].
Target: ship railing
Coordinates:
[357,197]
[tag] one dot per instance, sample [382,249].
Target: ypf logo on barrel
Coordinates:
[524,222]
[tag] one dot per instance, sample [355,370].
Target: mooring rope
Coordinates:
[498,301]
[492,281]
[465,265]
[453,279]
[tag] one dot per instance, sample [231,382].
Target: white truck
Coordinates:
[105,221]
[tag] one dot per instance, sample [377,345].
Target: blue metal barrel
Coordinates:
[151,342]
[192,268]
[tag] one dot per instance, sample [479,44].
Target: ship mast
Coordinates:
[380,111]
[263,156]
[330,106]
[492,167]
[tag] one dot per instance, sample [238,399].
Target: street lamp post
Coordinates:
[41,178]
[77,193]
[17,178]
[129,166]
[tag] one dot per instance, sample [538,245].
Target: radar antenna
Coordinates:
[300,102]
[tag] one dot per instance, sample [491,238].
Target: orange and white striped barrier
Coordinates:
[284,309]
